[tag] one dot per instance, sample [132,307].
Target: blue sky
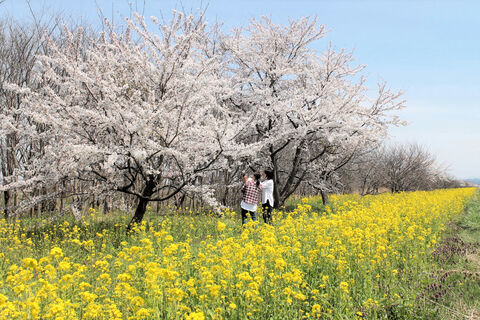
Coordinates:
[428,49]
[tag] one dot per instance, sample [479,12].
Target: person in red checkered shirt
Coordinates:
[250,190]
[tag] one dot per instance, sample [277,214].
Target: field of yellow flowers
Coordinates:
[364,257]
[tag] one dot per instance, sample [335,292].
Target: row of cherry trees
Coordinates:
[184,108]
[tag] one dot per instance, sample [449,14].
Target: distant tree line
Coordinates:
[397,168]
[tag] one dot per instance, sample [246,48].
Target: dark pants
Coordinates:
[244,216]
[267,212]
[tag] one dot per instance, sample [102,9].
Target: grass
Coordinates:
[455,293]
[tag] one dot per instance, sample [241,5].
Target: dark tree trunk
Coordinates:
[142,204]
[225,196]
[6,199]
[324,197]
[179,203]
[158,204]
[77,199]
[292,181]
[106,206]
[139,213]
[62,204]
[93,203]
[276,188]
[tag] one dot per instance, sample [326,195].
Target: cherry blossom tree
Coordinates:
[136,112]
[309,111]
[156,114]
[20,43]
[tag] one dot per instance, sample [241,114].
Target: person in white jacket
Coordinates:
[267,196]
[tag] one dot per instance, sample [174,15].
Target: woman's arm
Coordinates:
[245,180]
